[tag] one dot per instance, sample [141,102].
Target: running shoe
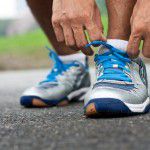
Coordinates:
[65,83]
[121,87]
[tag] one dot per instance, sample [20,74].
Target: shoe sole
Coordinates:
[34,101]
[114,107]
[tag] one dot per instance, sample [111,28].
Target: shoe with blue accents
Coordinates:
[65,83]
[121,87]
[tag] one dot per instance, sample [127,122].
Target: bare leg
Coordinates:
[42,10]
[119,13]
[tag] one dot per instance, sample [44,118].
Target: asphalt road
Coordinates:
[63,128]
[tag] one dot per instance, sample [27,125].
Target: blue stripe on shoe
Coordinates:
[128,87]
[27,101]
[110,105]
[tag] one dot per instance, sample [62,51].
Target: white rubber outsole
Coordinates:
[78,93]
[138,108]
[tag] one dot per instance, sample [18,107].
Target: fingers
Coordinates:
[94,27]
[81,40]
[68,26]
[95,32]
[146,47]
[58,30]
[134,43]
[133,46]
[68,35]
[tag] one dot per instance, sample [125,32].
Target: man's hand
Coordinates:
[71,17]
[140,29]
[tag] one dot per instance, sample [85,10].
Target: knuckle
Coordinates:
[72,45]
[146,54]
[75,18]
[63,18]
[138,28]
[86,15]
[133,54]
[55,20]
[60,39]
[69,44]
[72,16]
[95,37]
[81,44]
[80,17]
[59,20]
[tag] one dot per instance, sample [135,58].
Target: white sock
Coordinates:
[80,57]
[119,44]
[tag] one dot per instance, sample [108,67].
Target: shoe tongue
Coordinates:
[103,50]
[54,57]
[58,64]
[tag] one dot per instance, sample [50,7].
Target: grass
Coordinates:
[23,44]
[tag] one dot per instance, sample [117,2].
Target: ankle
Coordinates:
[80,57]
[118,43]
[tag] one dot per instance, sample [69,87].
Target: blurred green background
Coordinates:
[27,50]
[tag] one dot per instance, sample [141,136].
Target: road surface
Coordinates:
[63,128]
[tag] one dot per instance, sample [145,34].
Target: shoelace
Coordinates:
[58,67]
[113,63]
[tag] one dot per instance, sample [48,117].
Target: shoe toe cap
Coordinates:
[26,101]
